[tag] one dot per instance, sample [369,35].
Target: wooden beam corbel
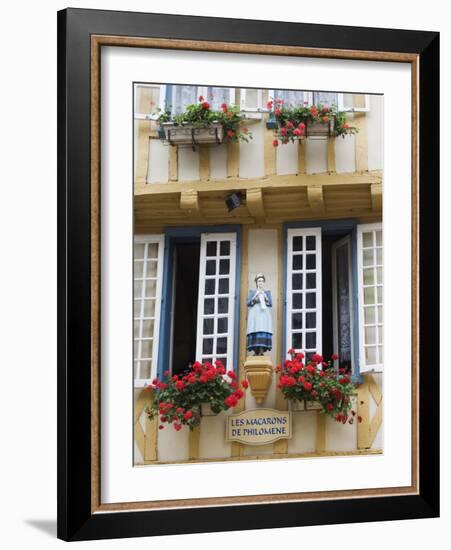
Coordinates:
[189,202]
[376,196]
[316,199]
[254,203]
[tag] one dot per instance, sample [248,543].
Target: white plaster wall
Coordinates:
[304,432]
[345,154]
[376,133]
[158,169]
[188,162]
[212,442]
[252,162]
[316,156]
[218,161]
[287,158]
[172,445]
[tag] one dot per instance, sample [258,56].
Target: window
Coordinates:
[179,97]
[200,295]
[251,100]
[291,97]
[334,293]
[149,98]
[304,296]
[147,275]
[370,272]
[216,305]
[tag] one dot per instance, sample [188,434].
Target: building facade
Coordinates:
[308,216]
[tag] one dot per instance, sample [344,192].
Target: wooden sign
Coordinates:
[258,426]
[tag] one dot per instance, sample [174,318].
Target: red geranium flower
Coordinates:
[245,384]
[308,386]
[188,415]
[201,98]
[206,105]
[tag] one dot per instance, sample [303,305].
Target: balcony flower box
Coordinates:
[192,134]
[319,129]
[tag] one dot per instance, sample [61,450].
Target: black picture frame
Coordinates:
[76,519]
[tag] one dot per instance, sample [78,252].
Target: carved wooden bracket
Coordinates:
[254,203]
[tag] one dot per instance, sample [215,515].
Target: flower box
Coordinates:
[319,129]
[192,134]
[303,406]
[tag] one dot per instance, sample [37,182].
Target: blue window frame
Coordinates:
[328,228]
[173,236]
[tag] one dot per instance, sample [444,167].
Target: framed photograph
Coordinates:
[248,274]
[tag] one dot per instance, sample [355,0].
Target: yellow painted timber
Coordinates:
[281,446]
[376,196]
[238,448]
[189,202]
[270,151]
[375,423]
[272,182]
[301,158]
[331,165]
[151,441]
[140,439]
[363,410]
[204,162]
[142,152]
[233,160]
[316,199]
[194,440]
[361,143]
[374,388]
[173,163]
[320,432]
[254,203]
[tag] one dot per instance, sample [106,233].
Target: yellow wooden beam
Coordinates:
[361,142]
[173,160]
[375,423]
[194,440]
[376,196]
[363,410]
[233,160]
[238,448]
[316,199]
[272,182]
[189,202]
[331,164]
[270,151]
[281,446]
[204,162]
[301,158]
[142,152]
[254,203]
[320,432]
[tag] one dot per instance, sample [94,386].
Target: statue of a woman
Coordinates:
[259,325]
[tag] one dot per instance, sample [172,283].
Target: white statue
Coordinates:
[259,324]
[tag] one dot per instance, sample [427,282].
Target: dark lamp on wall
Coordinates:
[234,200]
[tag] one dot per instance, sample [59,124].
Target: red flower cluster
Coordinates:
[178,399]
[317,380]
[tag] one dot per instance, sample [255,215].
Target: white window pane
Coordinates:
[380,333]
[368,257]
[149,308]
[138,269]
[379,256]
[138,285]
[368,240]
[251,99]
[379,295]
[152,250]
[136,326]
[151,268]
[369,315]
[151,288]
[368,276]
[183,96]
[370,355]
[148,328]
[138,250]
[217,96]
[146,349]
[378,238]
[368,295]
[379,314]
[379,275]
[327,99]
[144,369]
[370,335]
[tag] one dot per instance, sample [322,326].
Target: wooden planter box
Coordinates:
[320,129]
[189,134]
[305,406]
